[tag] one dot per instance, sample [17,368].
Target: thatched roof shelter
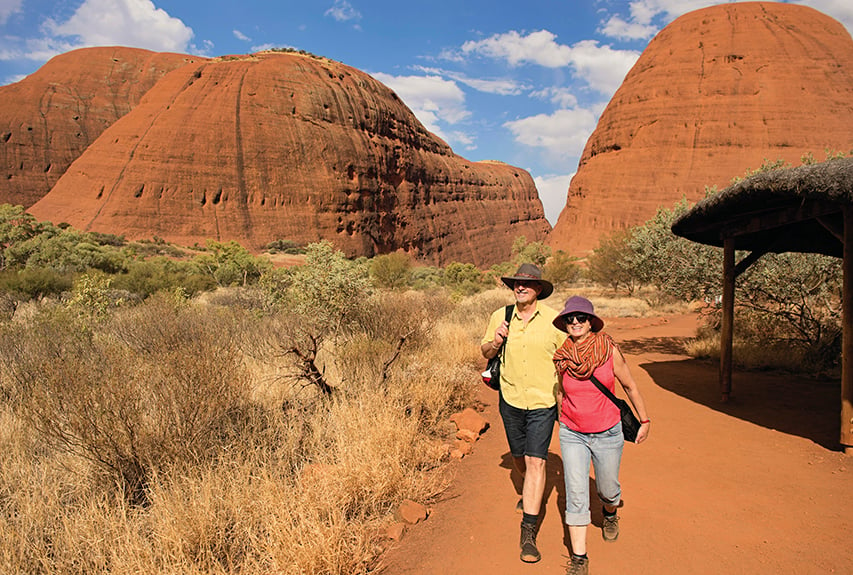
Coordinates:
[806,209]
[785,210]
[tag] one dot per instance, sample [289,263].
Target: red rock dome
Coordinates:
[713,95]
[288,146]
[50,117]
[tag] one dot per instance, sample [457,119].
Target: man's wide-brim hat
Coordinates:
[529,273]
[578,304]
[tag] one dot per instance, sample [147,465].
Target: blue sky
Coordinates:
[520,82]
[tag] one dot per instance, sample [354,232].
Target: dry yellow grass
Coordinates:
[306,485]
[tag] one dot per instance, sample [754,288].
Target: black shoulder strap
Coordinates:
[507,318]
[604,390]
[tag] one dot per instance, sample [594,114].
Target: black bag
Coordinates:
[630,423]
[492,375]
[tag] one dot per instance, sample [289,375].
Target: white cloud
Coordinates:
[432,99]
[562,135]
[136,23]
[616,27]
[240,36]
[553,192]
[342,11]
[562,97]
[648,16]
[602,67]
[502,86]
[13,79]
[463,139]
[535,48]
[9,7]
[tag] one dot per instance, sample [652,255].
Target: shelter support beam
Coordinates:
[727,328]
[847,336]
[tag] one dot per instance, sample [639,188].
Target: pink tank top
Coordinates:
[584,407]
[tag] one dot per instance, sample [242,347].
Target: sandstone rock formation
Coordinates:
[290,146]
[50,117]
[713,95]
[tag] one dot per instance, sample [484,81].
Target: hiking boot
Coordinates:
[578,566]
[610,527]
[529,552]
[519,507]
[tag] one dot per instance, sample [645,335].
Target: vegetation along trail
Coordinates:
[757,485]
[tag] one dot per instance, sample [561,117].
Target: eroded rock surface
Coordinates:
[713,95]
[50,117]
[287,146]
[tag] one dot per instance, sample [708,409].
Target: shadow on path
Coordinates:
[795,405]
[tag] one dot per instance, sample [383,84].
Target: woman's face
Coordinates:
[578,330]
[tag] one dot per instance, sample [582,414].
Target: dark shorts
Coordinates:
[528,431]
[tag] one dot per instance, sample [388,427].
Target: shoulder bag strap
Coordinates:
[507,319]
[604,390]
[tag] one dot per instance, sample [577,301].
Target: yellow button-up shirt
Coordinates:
[528,377]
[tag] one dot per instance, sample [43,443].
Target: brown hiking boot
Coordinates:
[529,552]
[610,528]
[578,566]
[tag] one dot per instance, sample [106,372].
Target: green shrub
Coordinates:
[146,277]
[34,283]
[285,247]
[392,270]
[464,279]
[561,268]
[230,264]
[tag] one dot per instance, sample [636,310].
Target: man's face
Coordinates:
[526,291]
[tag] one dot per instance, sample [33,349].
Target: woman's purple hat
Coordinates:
[578,304]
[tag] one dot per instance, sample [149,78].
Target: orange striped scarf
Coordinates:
[581,359]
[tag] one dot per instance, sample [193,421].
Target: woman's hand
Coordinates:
[643,433]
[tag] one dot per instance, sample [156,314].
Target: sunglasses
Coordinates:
[580,316]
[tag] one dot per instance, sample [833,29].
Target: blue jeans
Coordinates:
[604,451]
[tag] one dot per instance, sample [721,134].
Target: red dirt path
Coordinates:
[757,485]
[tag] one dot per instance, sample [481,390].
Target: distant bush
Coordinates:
[230,264]
[146,277]
[561,268]
[426,277]
[464,279]
[392,270]
[35,282]
[284,247]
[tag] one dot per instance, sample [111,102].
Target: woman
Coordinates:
[590,424]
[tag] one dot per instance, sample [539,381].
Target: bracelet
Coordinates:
[645,421]
[495,346]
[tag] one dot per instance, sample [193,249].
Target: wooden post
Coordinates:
[847,337]
[727,327]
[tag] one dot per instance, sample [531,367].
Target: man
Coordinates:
[528,386]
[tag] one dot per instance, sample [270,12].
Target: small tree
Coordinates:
[392,270]
[231,264]
[562,268]
[608,263]
[533,252]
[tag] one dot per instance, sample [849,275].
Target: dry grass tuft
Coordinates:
[174,438]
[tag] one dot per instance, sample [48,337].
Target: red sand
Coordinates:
[717,489]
